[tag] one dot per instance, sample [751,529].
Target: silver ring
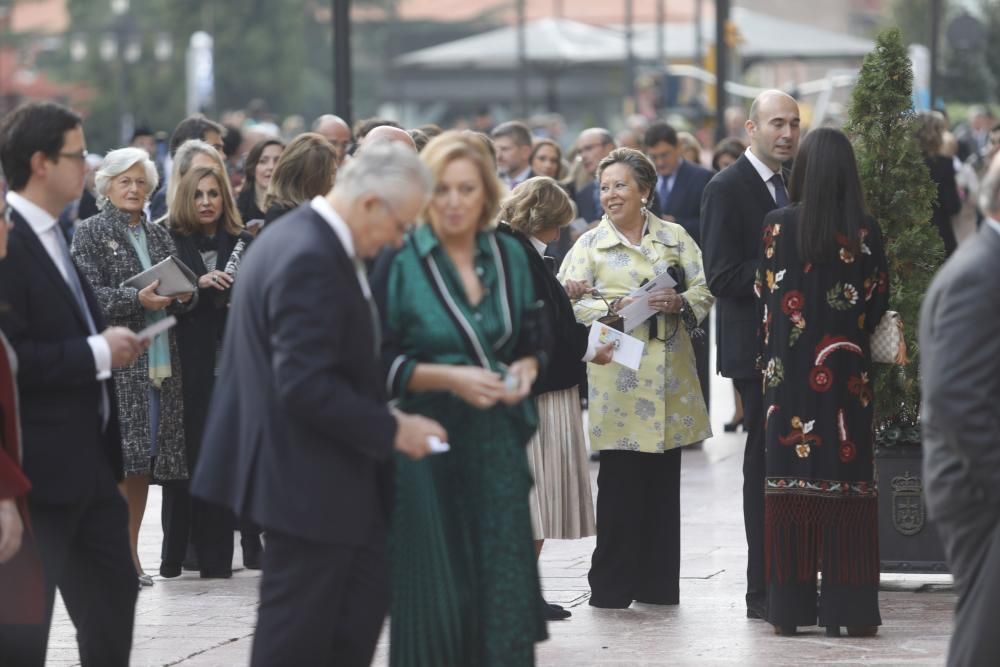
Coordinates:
[215,279]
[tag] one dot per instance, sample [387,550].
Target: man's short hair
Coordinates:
[659,131]
[232,139]
[515,130]
[366,125]
[193,127]
[32,127]
[142,131]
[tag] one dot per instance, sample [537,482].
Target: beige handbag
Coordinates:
[887,343]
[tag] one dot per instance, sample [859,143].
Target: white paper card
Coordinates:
[639,310]
[157,328]
[436,445]
[628,350]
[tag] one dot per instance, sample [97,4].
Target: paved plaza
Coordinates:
[187,621]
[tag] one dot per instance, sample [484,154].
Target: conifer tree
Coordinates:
[900,195]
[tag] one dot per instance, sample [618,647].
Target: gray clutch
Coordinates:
[175,278]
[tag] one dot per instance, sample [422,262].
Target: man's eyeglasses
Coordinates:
[401,226]
[77,155]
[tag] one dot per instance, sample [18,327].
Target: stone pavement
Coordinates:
[191,622]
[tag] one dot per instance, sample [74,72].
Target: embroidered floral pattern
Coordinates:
[819,486]
[774,373]
[842,296]
[801,437]
[859,385]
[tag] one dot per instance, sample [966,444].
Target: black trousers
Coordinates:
[320,604]
[638,553]
[971,541]
[85,553]
[753,487]
[209,527]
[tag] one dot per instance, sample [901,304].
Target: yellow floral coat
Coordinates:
[660,407]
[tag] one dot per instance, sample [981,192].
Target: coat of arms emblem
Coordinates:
[908,512]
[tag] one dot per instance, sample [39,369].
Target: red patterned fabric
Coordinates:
[21,579]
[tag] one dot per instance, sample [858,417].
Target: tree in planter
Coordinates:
[900,195]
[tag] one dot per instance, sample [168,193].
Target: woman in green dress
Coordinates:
[460,347]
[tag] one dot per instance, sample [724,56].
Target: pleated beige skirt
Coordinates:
[562,507]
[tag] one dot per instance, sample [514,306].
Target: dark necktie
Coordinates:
[359,268]
[73,280]
[780,195]
[664,193]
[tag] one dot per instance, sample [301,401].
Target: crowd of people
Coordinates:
[379,371]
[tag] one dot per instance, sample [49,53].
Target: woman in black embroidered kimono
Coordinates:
[822,289]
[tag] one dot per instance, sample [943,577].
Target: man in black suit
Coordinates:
[679,183]
[592,146]
[299,437]
[513,143]
[677,198]
[733,208]
[72,447]
[960,385]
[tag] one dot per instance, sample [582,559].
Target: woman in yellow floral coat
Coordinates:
[639,420]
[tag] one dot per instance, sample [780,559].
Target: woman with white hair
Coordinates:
[109,248]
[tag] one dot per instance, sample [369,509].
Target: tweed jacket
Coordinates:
[102,250]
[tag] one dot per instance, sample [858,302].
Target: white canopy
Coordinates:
[556,42]
[561,42]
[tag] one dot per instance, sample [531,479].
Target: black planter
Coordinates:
[907,540]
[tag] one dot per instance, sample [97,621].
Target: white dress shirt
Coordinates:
[322,206]
[766,173]
[44,226]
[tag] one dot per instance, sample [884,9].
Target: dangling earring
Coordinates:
[644,206]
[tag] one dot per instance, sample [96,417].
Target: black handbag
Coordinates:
[612,319]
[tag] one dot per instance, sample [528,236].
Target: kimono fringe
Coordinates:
[804,534]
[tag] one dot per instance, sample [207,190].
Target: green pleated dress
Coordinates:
[465,580]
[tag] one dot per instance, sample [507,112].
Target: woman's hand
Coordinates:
[577,288]
[524,371]
[618,304]
[666,300]
[220,280]
[604,354]
[477,386]
[152,301]
[11,529]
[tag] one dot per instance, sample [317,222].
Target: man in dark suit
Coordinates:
[592,146]
[192,127]
[677,198]
[513,143]
[733,207]
[72,448]
[960,384]
[679,183]
[299,437]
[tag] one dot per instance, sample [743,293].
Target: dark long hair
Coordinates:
[250,169]
[826,187]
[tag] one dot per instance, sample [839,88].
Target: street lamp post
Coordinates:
[721,67]
[935,42]
[342,60]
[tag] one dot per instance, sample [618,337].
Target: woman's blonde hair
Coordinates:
[306,169]
[537,205]
[447,147]
[184,213]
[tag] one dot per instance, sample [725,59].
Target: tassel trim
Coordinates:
[805,534]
